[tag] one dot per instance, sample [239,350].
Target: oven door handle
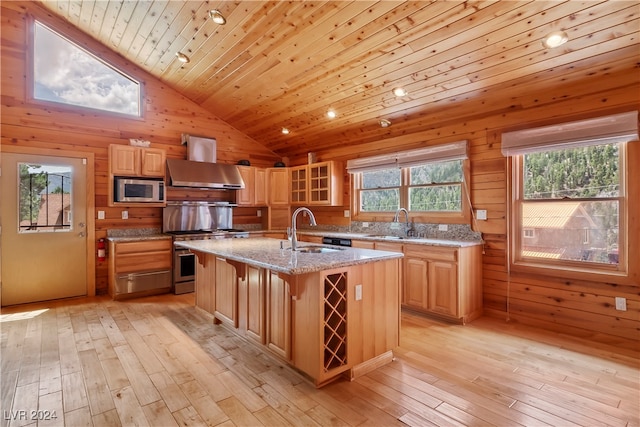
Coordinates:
[187,253]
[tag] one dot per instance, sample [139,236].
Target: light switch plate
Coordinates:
[621,304]
[125,214]
[100,214]
[481,214]
[358,292]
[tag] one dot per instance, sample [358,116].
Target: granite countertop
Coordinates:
[139,238]
[400,240]
[265,252]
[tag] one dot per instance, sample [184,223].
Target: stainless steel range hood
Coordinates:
[189,173]
[201,170]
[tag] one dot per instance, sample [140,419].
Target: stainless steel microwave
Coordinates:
[139,190]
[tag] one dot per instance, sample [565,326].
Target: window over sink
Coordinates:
[429,182]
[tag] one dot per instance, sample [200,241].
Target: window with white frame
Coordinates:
[67,74]
[569,192]
[428,182]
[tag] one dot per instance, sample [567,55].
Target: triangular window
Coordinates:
[65,73]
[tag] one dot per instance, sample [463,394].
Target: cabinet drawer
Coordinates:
[143,246]
[154,260]
[432,253]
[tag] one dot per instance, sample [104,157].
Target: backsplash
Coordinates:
[132,232]
[428,231]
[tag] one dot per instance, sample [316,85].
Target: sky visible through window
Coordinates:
[67,74]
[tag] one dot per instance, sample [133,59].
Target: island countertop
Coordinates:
[266,253]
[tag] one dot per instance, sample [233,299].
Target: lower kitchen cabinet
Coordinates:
[443,281]
[343,321]
[226,293]
[278,315]
[139,267]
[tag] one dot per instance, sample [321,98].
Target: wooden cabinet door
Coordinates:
[415,292]
[255,303]
[260,187]
[152,162]
[124,160]
[246,196]
[325,183]
[205,282]
[278,186]
[299,185]
[278,316]
[226,293]
[443,288]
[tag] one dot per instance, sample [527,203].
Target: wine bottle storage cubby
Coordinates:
[335,321]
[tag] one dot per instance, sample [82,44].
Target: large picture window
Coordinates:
[66,74]
[569,196]
[569,203]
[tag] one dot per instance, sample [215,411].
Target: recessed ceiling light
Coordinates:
[399,92]
[331,114]
[384,123]
[182,57]
[217,17]
[555,39]
[285,131]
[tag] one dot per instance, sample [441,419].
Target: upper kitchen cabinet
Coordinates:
[317,184]
[278,183]
[125,160]
[254,192]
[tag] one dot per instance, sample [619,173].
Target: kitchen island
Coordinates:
[326,311]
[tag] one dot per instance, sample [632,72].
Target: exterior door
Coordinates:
[44,228]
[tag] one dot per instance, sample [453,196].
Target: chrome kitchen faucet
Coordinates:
[312,221]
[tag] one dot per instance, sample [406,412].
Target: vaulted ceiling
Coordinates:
[278,64]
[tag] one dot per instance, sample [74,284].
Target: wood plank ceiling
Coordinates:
[278,64]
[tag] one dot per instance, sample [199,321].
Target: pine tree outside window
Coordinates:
[429,182]
[569,197]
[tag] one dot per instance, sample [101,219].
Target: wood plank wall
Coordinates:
[167,115]
[583,308]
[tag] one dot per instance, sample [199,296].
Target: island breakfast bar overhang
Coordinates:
[327,314]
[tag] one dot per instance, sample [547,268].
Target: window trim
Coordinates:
[30,76]
[566,268]
[463,217]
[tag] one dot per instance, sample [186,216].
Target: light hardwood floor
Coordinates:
[159,361]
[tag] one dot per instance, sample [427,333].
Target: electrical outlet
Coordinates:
[346,213]
[100,214]
[443,227]
[259,213]
[394,225]
[481,214]
[365,225]
[358,292]
[125,214]
[621,304]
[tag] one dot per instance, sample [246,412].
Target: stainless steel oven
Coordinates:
[195,221]
[184,271]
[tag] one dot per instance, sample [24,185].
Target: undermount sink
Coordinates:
[317,249]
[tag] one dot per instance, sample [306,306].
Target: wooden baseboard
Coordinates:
[370,365]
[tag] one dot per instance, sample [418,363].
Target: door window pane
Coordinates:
[44,198]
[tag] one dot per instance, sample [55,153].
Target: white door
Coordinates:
[44,233]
